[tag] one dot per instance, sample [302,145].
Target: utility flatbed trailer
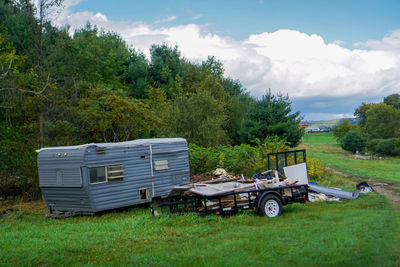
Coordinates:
[266,201]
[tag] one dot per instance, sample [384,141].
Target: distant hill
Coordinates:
[323,124]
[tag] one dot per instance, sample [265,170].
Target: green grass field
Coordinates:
[362,232]
[319,138]
[322,146]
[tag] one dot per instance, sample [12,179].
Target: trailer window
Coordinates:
[104,174]
[161,164]
[97,175]
[115,173]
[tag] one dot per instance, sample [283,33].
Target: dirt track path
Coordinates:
[388,189]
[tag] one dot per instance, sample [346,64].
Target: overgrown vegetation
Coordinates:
[390,146]
[58,89]
[243,159]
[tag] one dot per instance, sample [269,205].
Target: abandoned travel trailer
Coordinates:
[93,177]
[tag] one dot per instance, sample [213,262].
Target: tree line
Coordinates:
[378,128]
[57,89]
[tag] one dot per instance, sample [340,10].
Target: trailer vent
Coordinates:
[100,150]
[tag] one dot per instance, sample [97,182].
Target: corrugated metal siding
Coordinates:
[178,167]
[114,194]
[111,156]
[60,157]
[67,199]
[124,193]
[60,168]
[71,177]
[137,174]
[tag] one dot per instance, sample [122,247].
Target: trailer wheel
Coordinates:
[271,206]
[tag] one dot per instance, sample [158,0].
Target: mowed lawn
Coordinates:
[362,232]
[323,147]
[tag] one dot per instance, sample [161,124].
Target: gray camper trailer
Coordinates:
[94,177]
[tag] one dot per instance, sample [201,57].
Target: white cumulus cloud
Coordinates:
[288,61]
[389,43]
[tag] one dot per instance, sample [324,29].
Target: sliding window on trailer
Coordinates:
[106,174]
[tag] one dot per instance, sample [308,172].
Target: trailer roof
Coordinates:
[119,144]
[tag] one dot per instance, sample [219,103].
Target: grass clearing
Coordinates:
[322,147]
[326,233]
[319,138]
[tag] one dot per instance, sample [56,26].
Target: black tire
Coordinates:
[271,206]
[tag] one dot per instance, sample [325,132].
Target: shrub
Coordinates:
[203,159]
[353,141]
[315,170]
[243,159]
[384,147]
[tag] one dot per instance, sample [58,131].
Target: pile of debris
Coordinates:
[313,197]
[357,155]
[319,193]
[220,182]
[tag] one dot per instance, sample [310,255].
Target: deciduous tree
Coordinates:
[112,116]
[199,118]
[383,121]
[339,131]
[392,100]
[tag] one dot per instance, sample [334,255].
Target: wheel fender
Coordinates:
[267,193]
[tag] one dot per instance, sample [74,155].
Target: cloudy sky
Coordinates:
[328,56]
